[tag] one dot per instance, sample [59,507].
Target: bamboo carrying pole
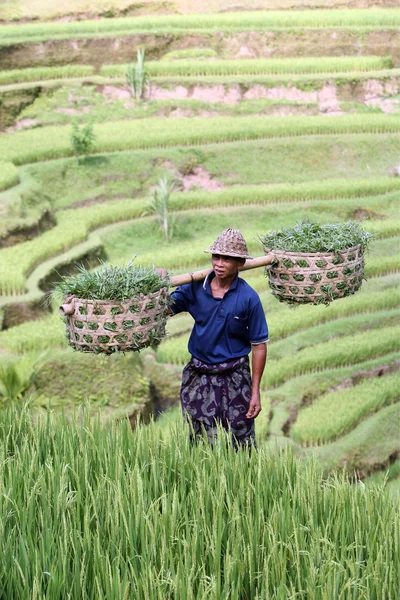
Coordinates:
[251,263]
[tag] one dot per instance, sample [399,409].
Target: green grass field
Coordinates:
[252,141]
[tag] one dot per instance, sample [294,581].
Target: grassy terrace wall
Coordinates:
[74,225]
[54,142]
[373,18]
[8,175]
[272,66]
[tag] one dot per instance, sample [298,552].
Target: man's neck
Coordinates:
[219,286]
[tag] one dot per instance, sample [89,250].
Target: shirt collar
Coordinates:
[210,277]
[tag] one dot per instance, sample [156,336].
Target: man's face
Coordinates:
[225,266]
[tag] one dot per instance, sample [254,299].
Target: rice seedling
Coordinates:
[136,516]
[273,66]
[336,412]
[342,18]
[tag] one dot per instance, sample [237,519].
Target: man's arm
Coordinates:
[258,360]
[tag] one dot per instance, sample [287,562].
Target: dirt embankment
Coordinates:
[250,44]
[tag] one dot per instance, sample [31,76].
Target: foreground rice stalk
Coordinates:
[90,512]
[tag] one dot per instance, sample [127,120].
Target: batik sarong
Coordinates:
[221,393]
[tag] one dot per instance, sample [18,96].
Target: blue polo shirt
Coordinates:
[224,328]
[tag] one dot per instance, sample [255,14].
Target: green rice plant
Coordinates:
[369,443]
[308,236]
[16,376]
[8,175]
[137,515]
[349,349]
[137,76]
[274,66]
[53,142]
[111,282]
[336,412]
[34,336]
[242,21]
[43,73]
[173,350]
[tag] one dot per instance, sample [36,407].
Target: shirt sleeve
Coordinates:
[257,324]
[182,298]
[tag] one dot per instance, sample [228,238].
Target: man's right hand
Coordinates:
[162,272]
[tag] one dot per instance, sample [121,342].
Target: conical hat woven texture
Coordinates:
[230,243]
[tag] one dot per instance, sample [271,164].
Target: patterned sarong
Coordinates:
[221,393]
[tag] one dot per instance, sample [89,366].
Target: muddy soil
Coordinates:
[113,50]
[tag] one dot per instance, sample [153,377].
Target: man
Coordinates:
[229,324]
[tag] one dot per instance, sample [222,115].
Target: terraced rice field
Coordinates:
[256,137]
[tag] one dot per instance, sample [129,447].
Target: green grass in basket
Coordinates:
[309,236]
[111,282]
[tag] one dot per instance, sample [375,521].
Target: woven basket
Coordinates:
[109,326]
[315,277]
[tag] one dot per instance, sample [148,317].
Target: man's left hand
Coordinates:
[254,406]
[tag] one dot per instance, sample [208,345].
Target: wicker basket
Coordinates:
[316,277]
[103,326]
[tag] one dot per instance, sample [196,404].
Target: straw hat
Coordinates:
[230,243]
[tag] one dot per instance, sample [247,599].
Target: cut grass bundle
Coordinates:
[273,66]
[336,412]
[114,309]
[316,263]
[308,236]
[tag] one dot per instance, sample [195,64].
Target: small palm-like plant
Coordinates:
[82,139]
[137,77]
[159,206]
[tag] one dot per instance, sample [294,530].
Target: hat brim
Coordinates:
[229,254]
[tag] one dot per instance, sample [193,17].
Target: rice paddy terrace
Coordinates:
[262,115]
[261,118]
